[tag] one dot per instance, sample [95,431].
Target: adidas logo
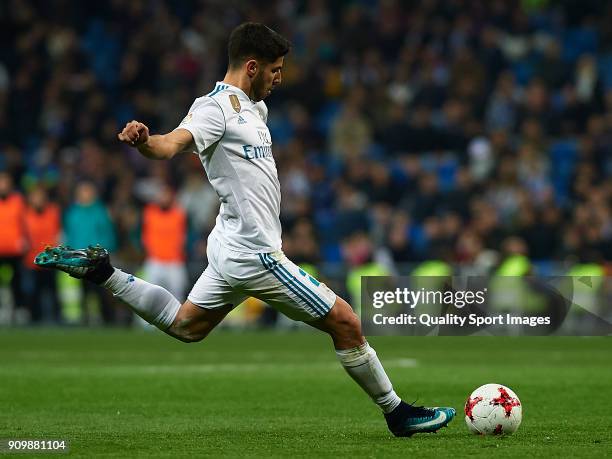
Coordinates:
[241,120]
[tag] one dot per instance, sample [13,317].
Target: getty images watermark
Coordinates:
[466,305]
[458,299]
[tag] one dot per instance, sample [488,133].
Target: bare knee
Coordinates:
[193,323]
[185,331]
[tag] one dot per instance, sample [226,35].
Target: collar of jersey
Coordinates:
[237,89]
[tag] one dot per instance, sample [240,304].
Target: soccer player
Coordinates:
[227,129]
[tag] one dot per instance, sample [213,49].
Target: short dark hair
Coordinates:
[256,41]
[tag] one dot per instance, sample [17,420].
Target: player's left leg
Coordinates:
[186,322]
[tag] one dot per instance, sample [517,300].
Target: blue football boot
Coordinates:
[406,420]
[92,263]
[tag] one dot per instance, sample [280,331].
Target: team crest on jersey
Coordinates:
[235,102]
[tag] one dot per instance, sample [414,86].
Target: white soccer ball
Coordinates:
[493,409]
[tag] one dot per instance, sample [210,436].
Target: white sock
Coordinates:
[364,367]
[153,303]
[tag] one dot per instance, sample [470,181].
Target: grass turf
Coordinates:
[121,393]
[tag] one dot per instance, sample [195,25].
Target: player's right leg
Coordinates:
[286,287]
[361,362]
[187,322]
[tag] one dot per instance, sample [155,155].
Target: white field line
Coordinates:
[205,368]
[262,366]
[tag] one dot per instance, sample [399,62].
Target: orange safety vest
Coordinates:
[13,241]
[164,233]
[43,228]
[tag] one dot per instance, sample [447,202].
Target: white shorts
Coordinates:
[232,276]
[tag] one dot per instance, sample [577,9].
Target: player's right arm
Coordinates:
[203,127]
[136,134]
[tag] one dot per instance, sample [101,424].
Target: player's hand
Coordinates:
[134,133]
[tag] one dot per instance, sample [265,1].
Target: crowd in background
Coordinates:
[455,130]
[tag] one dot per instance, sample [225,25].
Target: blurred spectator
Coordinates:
[514,261]
[588,82]
[164,235]
[402,249]
[471,255]
[351,132]
[427,199]
[362,260]
[13,237]
[502,105]
[43,227]
[551,68]
[87,222]
[200,202]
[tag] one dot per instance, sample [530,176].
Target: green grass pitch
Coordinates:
[118,393]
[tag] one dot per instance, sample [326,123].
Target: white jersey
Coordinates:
[234,144]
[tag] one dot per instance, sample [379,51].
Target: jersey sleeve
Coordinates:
[206,123]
